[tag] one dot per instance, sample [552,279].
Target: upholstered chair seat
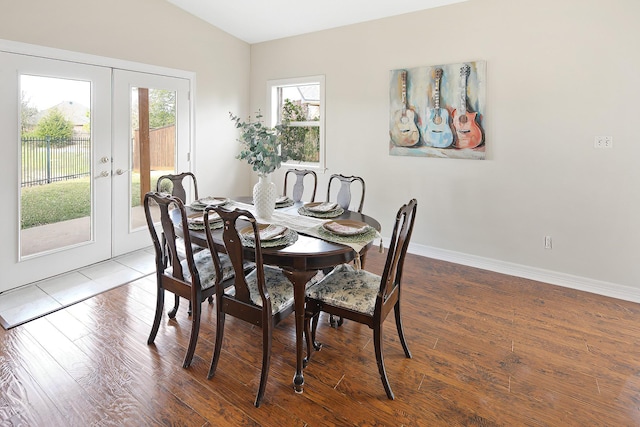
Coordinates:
[348,288]
[279,288]
[206,269]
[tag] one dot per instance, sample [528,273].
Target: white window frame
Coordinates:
[272,115]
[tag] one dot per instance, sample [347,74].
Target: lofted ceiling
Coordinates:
[256,21]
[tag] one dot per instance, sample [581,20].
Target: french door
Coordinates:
[167,100]
[71,162]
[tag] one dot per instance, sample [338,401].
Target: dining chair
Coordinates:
[174,184]
[194,277]
[262,297]
[365,297]
[343,196]
[298,186]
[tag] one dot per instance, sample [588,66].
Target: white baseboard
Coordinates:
[586,284]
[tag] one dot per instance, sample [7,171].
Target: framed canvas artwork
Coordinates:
[438,111]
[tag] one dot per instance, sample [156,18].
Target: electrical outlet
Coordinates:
[603,142]
[547,242]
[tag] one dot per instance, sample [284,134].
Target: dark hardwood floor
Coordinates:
[488,349]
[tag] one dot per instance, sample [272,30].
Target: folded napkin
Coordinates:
[345,230]
[199,219]
[282,199]
[211,201]
[269,233]
[323,207]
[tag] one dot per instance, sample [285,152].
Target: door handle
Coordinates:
[103,174]
[120,171]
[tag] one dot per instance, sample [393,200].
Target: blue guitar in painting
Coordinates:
[437,132]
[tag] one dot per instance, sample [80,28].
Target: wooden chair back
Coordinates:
[238,307]
[298,186]
[175,185]
[392,273]
[343,197]
[164,203]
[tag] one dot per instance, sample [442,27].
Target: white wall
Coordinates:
[157,33]
[559,73]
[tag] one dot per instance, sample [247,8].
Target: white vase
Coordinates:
[264,197]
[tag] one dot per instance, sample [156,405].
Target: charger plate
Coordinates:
[304,210]
[346,227]
[289,237]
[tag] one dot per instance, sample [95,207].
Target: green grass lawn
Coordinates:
[65,200]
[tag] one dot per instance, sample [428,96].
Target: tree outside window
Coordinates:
[298,105]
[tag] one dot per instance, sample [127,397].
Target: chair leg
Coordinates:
[310,337]
[193,340]
[218,344]
[335,323]
[307,335]
[174,310]
[405,347]
[377,343]
[266,360]
[316,344]
[158,316]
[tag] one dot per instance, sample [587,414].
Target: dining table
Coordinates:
[300,261]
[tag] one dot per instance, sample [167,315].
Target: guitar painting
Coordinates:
[404,132]
[468,131]
[437,132]
[438,111]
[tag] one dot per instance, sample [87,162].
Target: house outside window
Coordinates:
[298,105]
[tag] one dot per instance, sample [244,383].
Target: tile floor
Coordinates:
[29,302]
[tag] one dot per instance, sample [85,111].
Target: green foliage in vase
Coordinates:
[260,144]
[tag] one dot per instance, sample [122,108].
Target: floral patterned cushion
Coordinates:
[206,269]
[180,248]
[348,288]
[279,287]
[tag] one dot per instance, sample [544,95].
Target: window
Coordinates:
[298,105]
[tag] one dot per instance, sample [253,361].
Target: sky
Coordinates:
[45,92]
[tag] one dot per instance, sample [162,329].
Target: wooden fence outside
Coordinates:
[162,143]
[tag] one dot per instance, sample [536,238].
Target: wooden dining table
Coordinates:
[300,262]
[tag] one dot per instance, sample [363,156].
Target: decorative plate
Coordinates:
[283,202]
[346,227]
[365,237]
[201,204]
[303,210]
[289,238]
[198,218]
[200,226]
[267,232]
[321,207]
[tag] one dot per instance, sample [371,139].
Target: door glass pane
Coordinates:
[153,145]
[55,190]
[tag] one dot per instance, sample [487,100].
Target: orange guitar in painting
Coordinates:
[405,131]
[468,132]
